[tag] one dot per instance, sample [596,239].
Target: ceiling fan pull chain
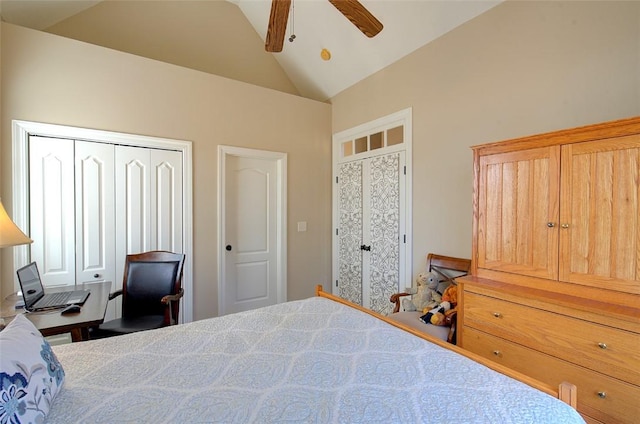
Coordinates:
[293,22]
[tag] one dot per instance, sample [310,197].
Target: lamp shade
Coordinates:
[10,234]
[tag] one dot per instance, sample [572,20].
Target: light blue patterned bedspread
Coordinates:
[309,361]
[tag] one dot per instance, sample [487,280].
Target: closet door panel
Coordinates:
[166,200]
[95,225]
[132,180]
[51,200]
[350,232]
[369,230]
[132,196]
[91,203]
[384,230]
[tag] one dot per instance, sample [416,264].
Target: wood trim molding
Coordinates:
[603,130]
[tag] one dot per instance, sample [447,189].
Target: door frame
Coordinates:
[22,130]
[281,217]
[401,118]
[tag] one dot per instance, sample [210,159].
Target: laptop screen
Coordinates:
[30,284]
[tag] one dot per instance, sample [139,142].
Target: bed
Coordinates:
[317,360]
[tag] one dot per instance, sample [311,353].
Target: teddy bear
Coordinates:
[441,314]
[425,295]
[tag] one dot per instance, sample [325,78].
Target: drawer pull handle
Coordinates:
[602,395]
[565,226]
[497,314]
[497,353]
[551,224]
[602,345]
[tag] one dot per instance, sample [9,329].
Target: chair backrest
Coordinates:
[447,268]
[148,277]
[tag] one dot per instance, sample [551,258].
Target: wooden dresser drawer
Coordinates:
[609,350]
[600,397]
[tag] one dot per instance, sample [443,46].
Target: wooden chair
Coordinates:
[151,292]
[448,269]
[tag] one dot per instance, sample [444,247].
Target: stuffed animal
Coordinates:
[440,315]
[425,295]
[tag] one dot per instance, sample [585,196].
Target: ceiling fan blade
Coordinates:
[277,25]
[359,16]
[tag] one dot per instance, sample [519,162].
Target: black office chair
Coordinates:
[151,292]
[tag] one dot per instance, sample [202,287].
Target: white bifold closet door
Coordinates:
[93,203]
[94,210]
[148,204]
[52,209]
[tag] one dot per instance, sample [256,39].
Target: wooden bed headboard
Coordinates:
[440,264]
[566,392]
[447,268]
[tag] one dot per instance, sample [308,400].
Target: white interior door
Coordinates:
[166,200]
[252,271]
[95,225]
[132,194]
[132,174]
[51,200]
[167,203]
[148,205]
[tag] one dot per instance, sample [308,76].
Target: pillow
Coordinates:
[30,374]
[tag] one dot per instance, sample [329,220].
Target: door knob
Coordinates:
[96,275]
[228,248]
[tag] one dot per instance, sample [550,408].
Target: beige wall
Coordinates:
[210,36]
[521,68]
[51,79]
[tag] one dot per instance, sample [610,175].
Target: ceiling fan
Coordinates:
[351,9]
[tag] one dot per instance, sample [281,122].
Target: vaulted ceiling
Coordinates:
[317,25]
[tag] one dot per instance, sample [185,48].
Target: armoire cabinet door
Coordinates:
[600,214]
[518,212]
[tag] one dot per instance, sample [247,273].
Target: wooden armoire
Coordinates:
[555,285]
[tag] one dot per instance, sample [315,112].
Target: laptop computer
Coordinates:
[35,298]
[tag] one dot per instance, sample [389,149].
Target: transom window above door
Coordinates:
[373,141]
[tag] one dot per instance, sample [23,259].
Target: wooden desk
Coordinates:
[52,322]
